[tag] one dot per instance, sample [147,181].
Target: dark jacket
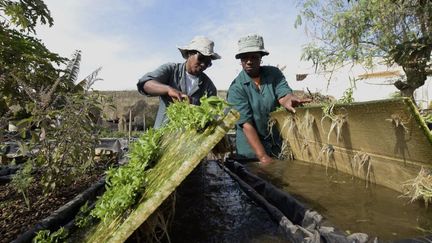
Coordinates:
[174,75]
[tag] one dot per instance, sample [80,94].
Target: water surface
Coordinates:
[211,207]
[346,201]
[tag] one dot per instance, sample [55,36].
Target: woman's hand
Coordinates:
[290,101]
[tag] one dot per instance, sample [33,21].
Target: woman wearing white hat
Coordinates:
[255,92]
[175,81]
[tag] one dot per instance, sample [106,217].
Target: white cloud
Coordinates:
[128,38]
[73,31]
[281,39]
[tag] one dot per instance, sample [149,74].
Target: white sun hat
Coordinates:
[251,43]
[202,44]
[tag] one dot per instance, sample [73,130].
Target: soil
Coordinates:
[16,218]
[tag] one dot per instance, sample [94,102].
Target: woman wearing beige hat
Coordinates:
[175,81]
[255,92]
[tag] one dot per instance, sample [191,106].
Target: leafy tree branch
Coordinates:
[364,31]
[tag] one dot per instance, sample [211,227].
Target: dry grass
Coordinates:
[286,152]
[326,153]
[398,121]
[420,187]
[307,124]
[362,162]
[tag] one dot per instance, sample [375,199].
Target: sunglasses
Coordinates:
[204,59]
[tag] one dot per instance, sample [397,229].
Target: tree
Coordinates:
[364,31]
[25,14]
[58,119]
[25,63]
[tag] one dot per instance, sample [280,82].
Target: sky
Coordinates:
[129,38]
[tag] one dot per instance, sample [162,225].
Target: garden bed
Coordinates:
[16,218]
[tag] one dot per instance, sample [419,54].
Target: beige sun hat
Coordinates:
[202,44]
[251,43]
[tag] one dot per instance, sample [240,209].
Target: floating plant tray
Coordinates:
[384,142]
[181,153]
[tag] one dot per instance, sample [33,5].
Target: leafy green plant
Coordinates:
[45,236]
[183,116]
[22,181]
[347,96]
[58,114]
[83,218]
[126,183]
[62,128]
[65,136]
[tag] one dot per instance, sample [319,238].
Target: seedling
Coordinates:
[286,152]
[397,121]
[270,124]
[305,147]
[292,125]
[45,236]
[307,124]
[420,187]
[326,152]
[361,161]
[338,120]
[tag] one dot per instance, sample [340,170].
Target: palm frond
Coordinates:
[90,79]
[73,66]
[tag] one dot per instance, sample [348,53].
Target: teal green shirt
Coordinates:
[255,105]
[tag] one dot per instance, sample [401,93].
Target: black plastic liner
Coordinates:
[9,169]
[300,224]
[64,214]
[211,207]
[7,172]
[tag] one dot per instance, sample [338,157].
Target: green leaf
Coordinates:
[298,21]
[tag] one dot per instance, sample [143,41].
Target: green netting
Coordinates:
[384,142]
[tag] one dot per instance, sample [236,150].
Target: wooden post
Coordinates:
[130,123]
[144,124]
